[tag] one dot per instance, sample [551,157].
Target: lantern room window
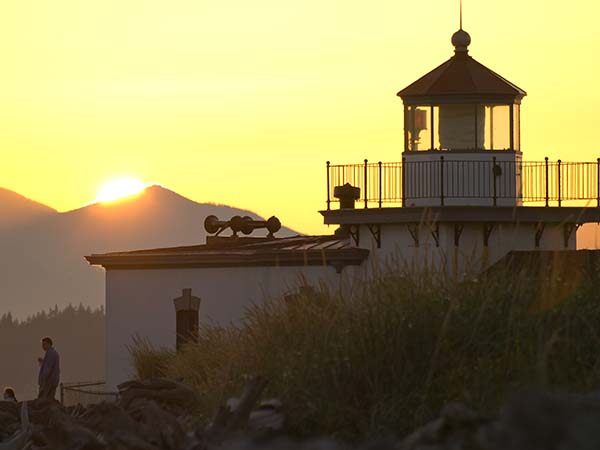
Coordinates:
[462,126]
[517,127]
[419,127]
[497,127]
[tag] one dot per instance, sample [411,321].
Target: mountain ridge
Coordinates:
[43,258]
[16,209]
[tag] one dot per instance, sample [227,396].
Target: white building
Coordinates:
[461,198]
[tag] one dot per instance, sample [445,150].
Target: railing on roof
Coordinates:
[545,183]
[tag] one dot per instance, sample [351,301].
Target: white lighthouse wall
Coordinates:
[468,178]
[398,248]
[140,302]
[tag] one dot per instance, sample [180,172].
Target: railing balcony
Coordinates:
[443,182]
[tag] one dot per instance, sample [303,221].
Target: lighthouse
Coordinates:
[464,194]
[462,119]
[461,196]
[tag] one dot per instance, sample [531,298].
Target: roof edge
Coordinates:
[337,258]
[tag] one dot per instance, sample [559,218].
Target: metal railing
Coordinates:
[493,182]
[86,393]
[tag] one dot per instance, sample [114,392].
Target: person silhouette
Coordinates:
[49,375]
[9,395]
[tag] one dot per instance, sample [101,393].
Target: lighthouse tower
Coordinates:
[463,195]
[462,133]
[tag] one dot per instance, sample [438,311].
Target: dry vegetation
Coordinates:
[384,360]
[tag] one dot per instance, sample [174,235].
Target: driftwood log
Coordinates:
[163,391]
[530,421]
[20,440]
[149,416]
[234,415]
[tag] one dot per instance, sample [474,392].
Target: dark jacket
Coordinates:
[50,369]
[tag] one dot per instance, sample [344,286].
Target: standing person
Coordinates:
[9,395]
[49,370]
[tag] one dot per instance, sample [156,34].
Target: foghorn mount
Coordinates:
[245,225]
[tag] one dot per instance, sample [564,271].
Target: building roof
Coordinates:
[331,250]
[463,76]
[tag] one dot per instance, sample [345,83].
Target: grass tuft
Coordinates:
[386,358]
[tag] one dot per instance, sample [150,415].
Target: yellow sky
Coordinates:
[242,102]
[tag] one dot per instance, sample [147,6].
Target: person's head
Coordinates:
[47,343]
[9,394]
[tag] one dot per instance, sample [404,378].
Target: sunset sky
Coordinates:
[242,102]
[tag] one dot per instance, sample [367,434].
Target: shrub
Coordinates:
[149,362]
[385,358]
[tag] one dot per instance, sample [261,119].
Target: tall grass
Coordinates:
[385,358]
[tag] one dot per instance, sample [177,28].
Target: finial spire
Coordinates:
[461,38]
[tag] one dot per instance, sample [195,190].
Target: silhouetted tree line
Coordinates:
[78,334]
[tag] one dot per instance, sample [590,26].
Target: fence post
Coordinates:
[547,183]
[380,183]
[366,187]
[598,182]
[559,185]
[442,180]
[403,181]
[494,176]
[62,394]
[328,189]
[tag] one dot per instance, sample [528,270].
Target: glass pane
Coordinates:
[497,127]
[488,143]
[501,127]
[419,128]
[517,126]
[461,127]
[436,128]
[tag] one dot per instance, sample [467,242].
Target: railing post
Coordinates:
[598,182]
[494,176]
[366,187]
[559,185]
[442,180]
[403,185]
[328,189]
[547,183]
[380,182]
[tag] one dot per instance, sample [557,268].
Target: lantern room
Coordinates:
[462,106]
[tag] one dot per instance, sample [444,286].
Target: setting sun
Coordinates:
[119,188]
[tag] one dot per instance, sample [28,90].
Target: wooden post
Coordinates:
[366,185]
[441,181]
[598,182]
[559,184]
[494,175]
[547,182]
[328,188]
[380,183]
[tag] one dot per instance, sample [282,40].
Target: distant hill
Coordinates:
[16,209]
[42,260]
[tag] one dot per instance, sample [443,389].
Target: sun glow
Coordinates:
[119,188]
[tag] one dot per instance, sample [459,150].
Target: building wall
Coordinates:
[140,302]
[398,247]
